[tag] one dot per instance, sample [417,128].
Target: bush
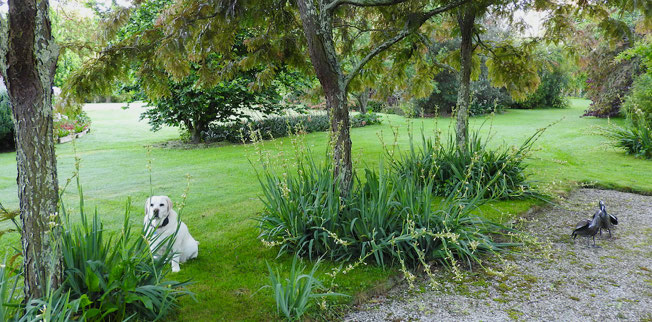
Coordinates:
[194,109]
[484,97]
[267,128]
[364,119]
[550,93]
[106,279]
[65,125]
[56,306]
[118,275]
[635,139]
[638,104]
[6,122]
[478,171]
[278,126]
[608,81]
[386,218]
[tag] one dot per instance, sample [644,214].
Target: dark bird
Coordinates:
[607,221]
[587,228]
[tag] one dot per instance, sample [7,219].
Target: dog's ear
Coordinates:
[169,202]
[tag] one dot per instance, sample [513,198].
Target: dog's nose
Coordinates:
[156,213]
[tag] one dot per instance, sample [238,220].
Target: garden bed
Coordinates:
[68,138]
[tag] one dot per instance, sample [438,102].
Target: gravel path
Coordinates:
[558,280]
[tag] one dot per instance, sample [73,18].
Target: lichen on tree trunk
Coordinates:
[466,19]
[317,27]
[30,65]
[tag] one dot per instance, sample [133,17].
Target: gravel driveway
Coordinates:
[555,280]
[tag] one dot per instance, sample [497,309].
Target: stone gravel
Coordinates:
[557,279]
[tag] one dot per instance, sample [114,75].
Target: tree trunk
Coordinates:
[363,100]
[317,27]
[30,65]
[195,128]
[466,19]
[195,135]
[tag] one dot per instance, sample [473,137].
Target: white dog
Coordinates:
[163,221]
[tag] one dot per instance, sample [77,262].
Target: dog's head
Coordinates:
[157,210]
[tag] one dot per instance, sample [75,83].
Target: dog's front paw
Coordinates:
[175,268]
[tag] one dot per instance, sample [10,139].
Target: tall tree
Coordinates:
[31,57]
[279,31]
[317,18]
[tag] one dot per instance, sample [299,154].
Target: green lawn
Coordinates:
[223,200]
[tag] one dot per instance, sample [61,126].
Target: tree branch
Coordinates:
[362,3]
[434,61]
[483,45]
[412,24]
[373,54]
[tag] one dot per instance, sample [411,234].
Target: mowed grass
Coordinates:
[223,199]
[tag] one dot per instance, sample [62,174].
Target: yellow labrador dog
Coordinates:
[162,220]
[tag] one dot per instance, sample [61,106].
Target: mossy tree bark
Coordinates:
[466,19]
[317,27]
[30,65]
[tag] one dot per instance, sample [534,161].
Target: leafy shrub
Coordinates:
[275,127]
[392,109]
[387,218]
[477,171]
[119,276]
[267,128]
[364,119]
[106,279]
[608,81]
[550,93]
[409,109]
[6,122]
[56,306]
[293,295]
[194,109]
[374,105]
[635,139]
[638,104]
[9,298]
[65,125]
[484,97]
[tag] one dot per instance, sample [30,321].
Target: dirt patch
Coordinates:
[561,280]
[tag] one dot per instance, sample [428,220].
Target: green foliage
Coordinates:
[387,218]
[551,91]
[484,97]
[278,126]
[635,139]
[638,104]
[74,33]
[556,165]
[642,50]
[9,297]
[114,278]
[194,109]
[608,82]
[477,171]
[6,122]
[118,276]
[364,119]
[293,294]
[66,125]
[612,66]
[56,306]
[514,68]
[267,128]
